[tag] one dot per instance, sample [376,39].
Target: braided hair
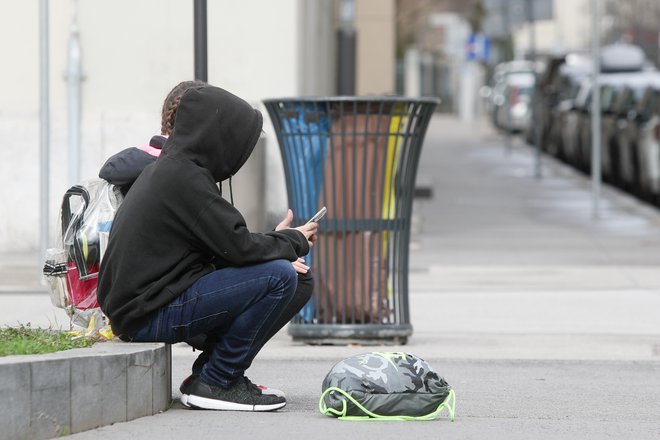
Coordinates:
[172,103]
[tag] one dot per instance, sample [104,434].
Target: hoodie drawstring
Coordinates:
[231,193]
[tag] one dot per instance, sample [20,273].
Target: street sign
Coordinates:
[478,47]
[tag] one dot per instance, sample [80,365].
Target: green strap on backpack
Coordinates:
[449,403]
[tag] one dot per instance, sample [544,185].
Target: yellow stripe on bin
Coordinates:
[397,124]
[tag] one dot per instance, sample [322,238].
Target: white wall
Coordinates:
[376,47]
[133,53]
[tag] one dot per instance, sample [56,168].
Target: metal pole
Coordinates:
[74,77]
[44,131]
[346,49]
[507,133]
[595,111]
[536,124]
[201,51]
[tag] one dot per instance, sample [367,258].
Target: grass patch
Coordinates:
[27,340]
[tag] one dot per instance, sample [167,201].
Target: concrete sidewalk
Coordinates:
[546,322]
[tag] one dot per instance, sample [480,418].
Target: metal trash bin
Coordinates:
[358,157]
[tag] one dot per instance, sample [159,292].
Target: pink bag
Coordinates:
[82,292]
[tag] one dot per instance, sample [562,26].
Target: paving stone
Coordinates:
[114,389]
[139,373]
[86,392]
[162,379]
[15,401]
[50,398]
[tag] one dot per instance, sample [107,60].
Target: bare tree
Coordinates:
[412,21]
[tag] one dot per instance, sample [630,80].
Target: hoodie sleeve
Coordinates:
[221,229]
[124,167]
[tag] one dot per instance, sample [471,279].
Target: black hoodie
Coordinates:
[174,226]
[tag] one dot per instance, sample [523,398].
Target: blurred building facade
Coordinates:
[636,22]
[630,21]
[134,52]
[569,29]
[431,48]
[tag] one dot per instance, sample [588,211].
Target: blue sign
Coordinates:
[478,47]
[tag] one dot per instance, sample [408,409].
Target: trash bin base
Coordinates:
[346,334]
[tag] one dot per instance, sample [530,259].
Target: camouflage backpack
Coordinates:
[385,386]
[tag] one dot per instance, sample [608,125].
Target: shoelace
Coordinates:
[250,386]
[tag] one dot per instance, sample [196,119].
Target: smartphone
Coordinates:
[318,216]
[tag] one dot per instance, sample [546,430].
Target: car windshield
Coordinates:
[522,79]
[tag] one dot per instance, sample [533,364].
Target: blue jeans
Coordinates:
[236,309]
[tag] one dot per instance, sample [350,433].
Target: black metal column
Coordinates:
[201,51]
[346,42]
[346,49]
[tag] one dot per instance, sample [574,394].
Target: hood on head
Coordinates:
[215,129]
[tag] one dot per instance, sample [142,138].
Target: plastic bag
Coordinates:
[55,274]
[71,268]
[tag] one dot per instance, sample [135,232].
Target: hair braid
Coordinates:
[171,104]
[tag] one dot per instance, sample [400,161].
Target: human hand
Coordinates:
[299,266]
[309,230]
[286,223]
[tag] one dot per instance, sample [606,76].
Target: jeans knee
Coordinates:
[286,274]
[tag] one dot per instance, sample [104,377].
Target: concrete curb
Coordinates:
[61,393]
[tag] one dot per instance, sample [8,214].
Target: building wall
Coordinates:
[569,30]
[376,47]
[133,53]
[317,68]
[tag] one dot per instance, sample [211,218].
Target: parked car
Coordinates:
[629,92]
[630,115]
[572,128]
[513,110]
[510,95]
[560,85]
[613,97]
[611,87]
[644,131]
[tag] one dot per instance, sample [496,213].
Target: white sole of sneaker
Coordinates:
[266,391]
[205,403]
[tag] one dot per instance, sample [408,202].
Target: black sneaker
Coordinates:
[243,395]
[185,392]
